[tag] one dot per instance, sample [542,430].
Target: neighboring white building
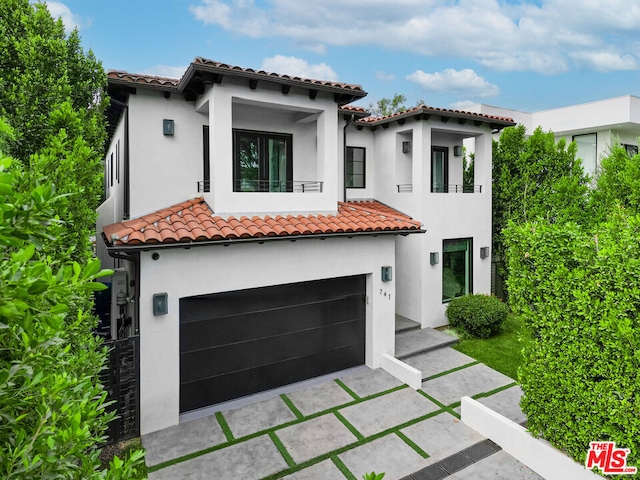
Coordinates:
[251,262]
[594,126]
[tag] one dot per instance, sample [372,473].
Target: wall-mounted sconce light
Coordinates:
[406,147]
[167,126]
[484,252]
[160,304]
[387,274]
[434,258]
[457,151]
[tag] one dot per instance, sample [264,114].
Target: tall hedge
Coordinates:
[578,290]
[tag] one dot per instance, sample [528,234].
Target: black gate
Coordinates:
[121,379]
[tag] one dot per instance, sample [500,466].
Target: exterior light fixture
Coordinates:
[167,126]
[406,147]
[457,151]
[484,252]
[434,258]
[160,304]
[387,274]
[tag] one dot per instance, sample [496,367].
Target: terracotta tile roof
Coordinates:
[119,76]
[358,112]
[193,221]
[438,111]
[225,68]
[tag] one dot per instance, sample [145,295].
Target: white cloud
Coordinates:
[546,36]
[459,82]
[166,71]
[69,19]
[606,61]
[298,67]
[384,76]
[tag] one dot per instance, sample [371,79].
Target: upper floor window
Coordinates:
[439,169]
[632,150]
[587,151]
[355,174]
[263,162]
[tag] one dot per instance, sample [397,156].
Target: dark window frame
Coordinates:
[445,169]
[263,172]
[348,178]
[206,159]
[469,287]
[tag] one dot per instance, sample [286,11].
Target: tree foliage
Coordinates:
[535,177]
[52,405]
[577,287]
[50,93]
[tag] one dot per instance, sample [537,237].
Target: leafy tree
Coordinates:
[388,106]
[617,183]
[535,177]
[51,94]
[51,404]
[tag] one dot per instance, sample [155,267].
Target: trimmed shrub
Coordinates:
[578,291]
[478,315]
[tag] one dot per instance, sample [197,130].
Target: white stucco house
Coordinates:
[268,232]
[594,126]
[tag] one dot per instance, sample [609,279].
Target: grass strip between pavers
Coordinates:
[442,374]
[343,468]
[494,391]
[350,427]
[412,444]
[347,389]
[291,406]
[282,449]
[346,448]
[224,426]
[266,431]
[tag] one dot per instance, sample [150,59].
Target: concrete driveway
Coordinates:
[365,420]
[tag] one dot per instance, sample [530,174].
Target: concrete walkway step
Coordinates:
[404,324]
[412,342]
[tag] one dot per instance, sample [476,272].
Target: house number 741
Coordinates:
[385,294]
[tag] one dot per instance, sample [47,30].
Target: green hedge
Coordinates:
[579,294]
[478,315]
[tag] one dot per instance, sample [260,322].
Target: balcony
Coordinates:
[456,188]
[298,186]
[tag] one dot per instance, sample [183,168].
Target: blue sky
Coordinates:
[526,55]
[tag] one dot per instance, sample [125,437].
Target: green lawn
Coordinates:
[502,352]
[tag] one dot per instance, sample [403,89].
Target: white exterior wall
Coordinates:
[112,209]
[214,269]
[443,215]
[315,144]
[164,169]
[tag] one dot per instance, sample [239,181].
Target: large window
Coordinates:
[439,169]
[587,151]
[457,268]
[355,174]
[262,162]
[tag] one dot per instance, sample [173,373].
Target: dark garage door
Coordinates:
[238,343]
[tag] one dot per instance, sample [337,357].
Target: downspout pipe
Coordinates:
[350,120]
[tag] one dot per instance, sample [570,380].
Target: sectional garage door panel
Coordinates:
[238,343]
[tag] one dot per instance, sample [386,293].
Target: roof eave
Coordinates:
[228,241]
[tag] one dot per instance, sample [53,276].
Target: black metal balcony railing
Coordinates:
[204,186]
[405,187]
[456,188]
[297,186]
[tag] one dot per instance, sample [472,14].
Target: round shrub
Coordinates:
[478,315]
